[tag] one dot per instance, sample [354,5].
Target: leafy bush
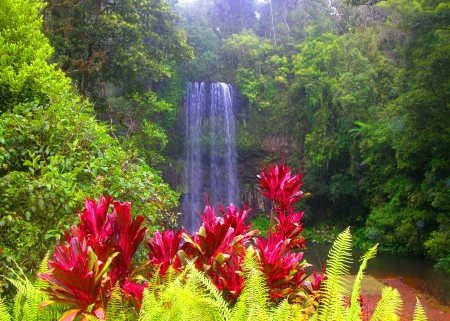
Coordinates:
[217,273]
[261,223]
[52,150]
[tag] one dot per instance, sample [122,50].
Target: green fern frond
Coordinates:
[419,312]
[218,302]
[151,308]
[28,299]
[114,310]
[4,315]
[43,268]
[286,312]
[355,309]
[253,301]
[189,296]
[389,306]
[331,305]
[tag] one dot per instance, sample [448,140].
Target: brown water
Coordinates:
[415,272]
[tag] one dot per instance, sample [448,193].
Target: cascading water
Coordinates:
[210,167]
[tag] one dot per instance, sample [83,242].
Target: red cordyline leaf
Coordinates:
[219,247]
[83,272]
[282,267]
[93,218]
[290,228]
[218,236]
[163,249]
[133,292]
[280,187]
[126,235]
[228,278]
[77,278]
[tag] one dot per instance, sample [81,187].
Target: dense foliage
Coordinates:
[355,95]
[52,151]
[218,273]
[121,55]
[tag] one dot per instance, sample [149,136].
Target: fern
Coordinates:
[151,308]
[331,306]
[28,299]
[114,310]
[4,315]
[219,303]
[355,309]
[43,268]
[287,312]
[419,312]
[389,306]
[253,301]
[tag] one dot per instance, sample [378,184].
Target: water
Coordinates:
[210,168]
[415,272]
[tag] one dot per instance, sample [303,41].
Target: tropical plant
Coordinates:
[97,256]
[52,150]
[28,298]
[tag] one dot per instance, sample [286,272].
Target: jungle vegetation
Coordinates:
[355,94]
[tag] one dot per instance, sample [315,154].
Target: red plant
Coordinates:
[228,278]
[219,248]
[282,267]
[163,250]
[289,227]
[133,292]
[99,251]
[125,236]
[280,187]
[77,278]
[83,272]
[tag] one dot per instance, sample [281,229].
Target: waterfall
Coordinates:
[210,167]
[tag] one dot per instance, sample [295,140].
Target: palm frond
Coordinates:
[355,309]
[331,305]
[419,312]
[389,306]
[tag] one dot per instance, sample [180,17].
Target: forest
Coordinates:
[352,94]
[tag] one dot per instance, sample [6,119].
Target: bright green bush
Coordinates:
[53,152]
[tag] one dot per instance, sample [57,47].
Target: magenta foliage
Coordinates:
[280,187]
[77,278]
[163,249]
[125,235]
[96,255]
[134,292]
[98,252]
[282,267]
[217,248]
[289,227]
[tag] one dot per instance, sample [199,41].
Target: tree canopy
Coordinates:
[53,153]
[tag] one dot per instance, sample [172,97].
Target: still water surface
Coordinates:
[415,272]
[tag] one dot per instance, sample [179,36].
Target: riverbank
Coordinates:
[372,288]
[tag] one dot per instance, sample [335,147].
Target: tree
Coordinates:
[52,152]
